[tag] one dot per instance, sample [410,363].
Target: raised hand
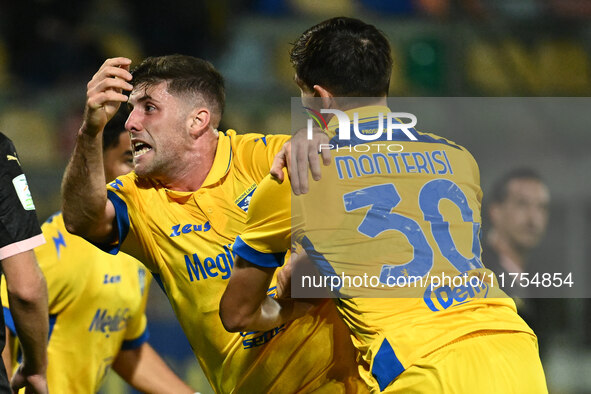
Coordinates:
[104,94]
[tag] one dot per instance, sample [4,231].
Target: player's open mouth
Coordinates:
[139,148]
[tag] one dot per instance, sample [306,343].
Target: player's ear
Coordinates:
[325,95]
[199,121]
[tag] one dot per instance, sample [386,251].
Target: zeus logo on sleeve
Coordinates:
[210,267]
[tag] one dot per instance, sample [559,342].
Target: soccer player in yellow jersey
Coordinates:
[391,211]
[180,211]
[97,302]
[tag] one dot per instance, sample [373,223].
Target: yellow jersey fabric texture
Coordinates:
[393,228]
[185,239]
[97,307]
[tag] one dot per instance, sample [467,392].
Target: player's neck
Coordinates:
[195,166]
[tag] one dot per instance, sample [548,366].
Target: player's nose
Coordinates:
[133,122]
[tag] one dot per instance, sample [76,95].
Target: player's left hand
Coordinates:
[300,154]
[33,383]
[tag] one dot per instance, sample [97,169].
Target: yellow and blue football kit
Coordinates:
[96,306]
[394,227]
[185,239]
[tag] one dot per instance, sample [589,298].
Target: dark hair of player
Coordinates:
[114,128]
[346,56]
[500,187]
[184,75]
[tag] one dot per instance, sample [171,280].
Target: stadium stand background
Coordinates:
[49,49]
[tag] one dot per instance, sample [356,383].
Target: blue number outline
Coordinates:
[383,198]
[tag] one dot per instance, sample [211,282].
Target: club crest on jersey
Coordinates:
[243,201]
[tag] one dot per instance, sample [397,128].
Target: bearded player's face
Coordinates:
[158,126]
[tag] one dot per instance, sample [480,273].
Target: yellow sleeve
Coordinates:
[267,235]
[257,151]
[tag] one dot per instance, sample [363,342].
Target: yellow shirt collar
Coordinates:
[222,160]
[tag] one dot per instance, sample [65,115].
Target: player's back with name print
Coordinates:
[391,202]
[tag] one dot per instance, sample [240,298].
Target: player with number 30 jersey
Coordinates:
[400,212]
[393,229]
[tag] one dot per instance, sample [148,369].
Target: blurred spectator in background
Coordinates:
[518,212]
[518,215]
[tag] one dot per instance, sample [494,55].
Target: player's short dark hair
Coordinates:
[500,188]
[344,55]
[114,128]
[184,75]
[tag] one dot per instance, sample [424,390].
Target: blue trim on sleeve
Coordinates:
[9,321]
[255,257]
[122,220]
[386,366]
[135,343]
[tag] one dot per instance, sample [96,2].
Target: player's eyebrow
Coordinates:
[144,98]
